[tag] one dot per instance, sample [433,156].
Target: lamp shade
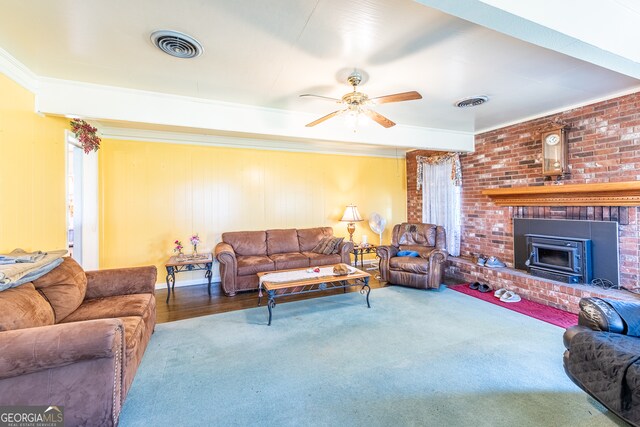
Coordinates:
[351,214]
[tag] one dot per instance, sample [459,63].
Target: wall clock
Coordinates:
[554,150]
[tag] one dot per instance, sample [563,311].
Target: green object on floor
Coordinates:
[413,358]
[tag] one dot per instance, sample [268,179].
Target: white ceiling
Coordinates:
[265,53]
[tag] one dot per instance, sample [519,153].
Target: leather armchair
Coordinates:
[603,354]
[422,272]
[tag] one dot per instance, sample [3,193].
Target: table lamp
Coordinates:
[351,215]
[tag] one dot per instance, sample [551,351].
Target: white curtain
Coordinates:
[441,200]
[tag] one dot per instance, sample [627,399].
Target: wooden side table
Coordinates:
[359,251]
[188,263]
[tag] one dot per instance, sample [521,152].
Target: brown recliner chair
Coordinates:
[422,272]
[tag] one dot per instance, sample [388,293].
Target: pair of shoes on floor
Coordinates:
[507,295]
[482,287]
[492,262]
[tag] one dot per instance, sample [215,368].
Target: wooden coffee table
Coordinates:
[314,283]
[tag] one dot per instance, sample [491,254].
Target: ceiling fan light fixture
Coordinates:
[356,103]
[472,101]
[176,44]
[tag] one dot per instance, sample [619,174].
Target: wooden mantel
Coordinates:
[600,194]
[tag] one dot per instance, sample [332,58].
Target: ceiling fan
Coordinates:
[357,102]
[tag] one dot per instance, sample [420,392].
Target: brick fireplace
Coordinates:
[604,146]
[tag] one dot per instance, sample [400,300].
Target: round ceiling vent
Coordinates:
[472,101]
[176,44]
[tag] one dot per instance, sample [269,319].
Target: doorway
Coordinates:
[81,203]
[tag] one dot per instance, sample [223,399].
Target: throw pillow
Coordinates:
[321,246]
[408,253]
[337,241]
[328,245]
[64,287]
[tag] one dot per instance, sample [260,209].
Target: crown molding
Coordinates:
[321,147]
[18,72]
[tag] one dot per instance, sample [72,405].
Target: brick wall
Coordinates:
[604,146]
[414,197]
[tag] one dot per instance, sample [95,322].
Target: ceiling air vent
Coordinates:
[472,101]
[176,44]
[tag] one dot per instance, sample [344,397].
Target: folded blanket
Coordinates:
[36,274]
[11,274]
[18,255]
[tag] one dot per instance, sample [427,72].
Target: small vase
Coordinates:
[180,255]
[195,250]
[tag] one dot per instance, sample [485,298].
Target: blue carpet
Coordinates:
[413,358]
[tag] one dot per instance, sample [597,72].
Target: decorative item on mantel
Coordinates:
[86,135]
[554,148]
[195,241]
[351,215]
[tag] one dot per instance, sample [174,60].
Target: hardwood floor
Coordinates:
[193,301]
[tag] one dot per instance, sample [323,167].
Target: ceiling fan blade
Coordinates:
[322,119]
[396,97]
[309,95]
[378,118]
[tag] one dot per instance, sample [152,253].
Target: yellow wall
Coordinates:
[32,173]
[153,193]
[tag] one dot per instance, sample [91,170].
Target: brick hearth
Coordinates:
[560,295]
[604,146]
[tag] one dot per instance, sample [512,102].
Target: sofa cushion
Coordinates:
[64,287]
[247,242]
[254,264]
[321,259]
[282,241]
[113,306]
[410,264]
[290,260]
[308,238]
[23,307]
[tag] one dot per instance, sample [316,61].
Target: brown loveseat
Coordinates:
[242,254]
[76,339]
[423,271]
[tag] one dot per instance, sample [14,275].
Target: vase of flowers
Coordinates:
[195,241]
[178,248]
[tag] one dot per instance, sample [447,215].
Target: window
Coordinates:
[440,179]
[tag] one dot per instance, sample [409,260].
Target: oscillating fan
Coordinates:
[377,223]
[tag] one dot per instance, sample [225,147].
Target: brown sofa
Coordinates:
[424,271]
[76,339]
[242,254]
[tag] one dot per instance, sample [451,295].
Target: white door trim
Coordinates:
[90,243]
